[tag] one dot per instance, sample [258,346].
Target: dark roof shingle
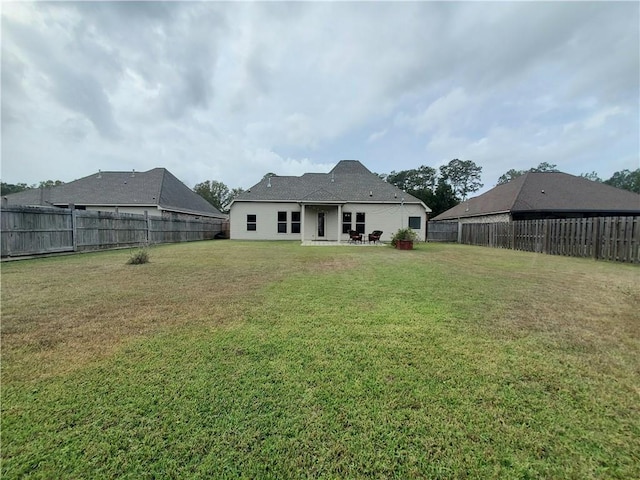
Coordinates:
[348,181]
[156,187]
[547,192]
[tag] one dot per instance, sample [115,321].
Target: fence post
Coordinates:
[4,230]
[512,234]
[74,227]
[635,239]
[596,238]
[148,234]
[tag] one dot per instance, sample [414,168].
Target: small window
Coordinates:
[346,222]
[295,222]
[251,223]
[415,223]
[282,222]
[360,225]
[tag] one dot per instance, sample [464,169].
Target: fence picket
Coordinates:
[442,232]
[605,238]
[37,230]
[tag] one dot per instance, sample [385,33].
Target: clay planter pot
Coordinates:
[404,244]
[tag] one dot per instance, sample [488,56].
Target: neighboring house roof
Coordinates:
[156,187]
[348,181]
[547,192]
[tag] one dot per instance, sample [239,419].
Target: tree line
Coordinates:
[9,188]
[440,189]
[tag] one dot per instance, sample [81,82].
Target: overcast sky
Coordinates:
[231,91]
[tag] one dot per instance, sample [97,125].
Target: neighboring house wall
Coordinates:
[152,210]
[494,218]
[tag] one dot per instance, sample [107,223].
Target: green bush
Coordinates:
[139,257]
[404,234]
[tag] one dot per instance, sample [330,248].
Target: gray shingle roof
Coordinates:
[156,187]
[348,181]
[548,192]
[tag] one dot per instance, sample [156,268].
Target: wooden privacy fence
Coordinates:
[442,232]
[38,230]
[605,238]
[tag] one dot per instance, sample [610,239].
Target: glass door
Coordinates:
[320,224]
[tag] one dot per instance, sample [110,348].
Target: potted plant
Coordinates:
[403,239]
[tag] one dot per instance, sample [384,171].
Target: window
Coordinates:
[251,223]
[295,222]
[346,222]
[282,222]
[360,222]
[415,222]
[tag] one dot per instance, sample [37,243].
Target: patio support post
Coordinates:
[339,219]
[302,221]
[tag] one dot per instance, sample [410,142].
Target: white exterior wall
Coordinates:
[266,220]
[386,217]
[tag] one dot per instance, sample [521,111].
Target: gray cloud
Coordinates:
[83,93]
[227,89]
[77,90]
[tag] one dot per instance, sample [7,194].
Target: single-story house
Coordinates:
[540,195]
[325,207]
[156,191]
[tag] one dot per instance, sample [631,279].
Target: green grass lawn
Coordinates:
[228,359]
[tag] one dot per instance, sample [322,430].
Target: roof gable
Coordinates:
[320,195]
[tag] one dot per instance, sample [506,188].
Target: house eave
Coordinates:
[331,202]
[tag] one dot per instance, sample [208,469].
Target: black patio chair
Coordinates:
[355,236]
[375,236]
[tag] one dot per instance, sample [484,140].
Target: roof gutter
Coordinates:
[193,212]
